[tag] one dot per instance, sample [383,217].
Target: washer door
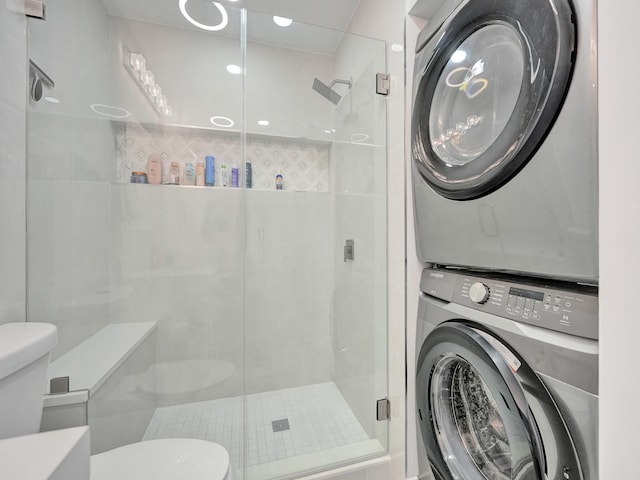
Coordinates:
[485,415]
[491,90]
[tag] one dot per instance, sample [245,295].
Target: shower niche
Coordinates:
[265,340]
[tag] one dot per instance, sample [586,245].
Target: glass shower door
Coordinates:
[315,267]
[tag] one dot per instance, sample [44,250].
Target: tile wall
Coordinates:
[13,92]
[303,165]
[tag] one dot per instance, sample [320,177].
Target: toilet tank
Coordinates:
[24,358]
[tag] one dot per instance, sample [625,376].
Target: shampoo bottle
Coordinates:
[200,174]
[234,176]
[224,174]
[189,174]
[209,171]
[154,169]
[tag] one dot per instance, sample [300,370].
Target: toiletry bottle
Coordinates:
[154,169]
[200,174]
[224,174]
[189,174]
[209,171]
[247,173]
[174,174]
[234,176]
[279,183]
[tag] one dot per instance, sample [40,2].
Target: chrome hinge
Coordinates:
[383,409]
[383,83]
[34,9]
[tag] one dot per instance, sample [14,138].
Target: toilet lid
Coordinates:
[163,459]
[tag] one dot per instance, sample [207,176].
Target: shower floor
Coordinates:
[317,416]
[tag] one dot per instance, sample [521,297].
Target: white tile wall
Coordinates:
[303,165]
[13,84]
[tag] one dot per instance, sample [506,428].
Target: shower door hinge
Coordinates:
[383,409]
[34,9]
[383,83]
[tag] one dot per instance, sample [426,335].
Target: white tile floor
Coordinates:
[319,419]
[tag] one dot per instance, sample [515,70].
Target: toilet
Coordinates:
[24,358]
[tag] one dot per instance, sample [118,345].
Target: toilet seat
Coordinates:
[163,459]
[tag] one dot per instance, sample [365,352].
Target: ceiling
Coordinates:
[317,27]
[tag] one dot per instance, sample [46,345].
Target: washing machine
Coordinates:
[506,378]
[504,135]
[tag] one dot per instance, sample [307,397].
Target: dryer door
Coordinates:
[483,414]
[494,81]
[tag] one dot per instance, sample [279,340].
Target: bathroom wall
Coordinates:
[70,161]
[179,253]
[13,91]
[619,233]
[190,66]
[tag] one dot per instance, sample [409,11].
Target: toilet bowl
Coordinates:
[163,459]
[24,358]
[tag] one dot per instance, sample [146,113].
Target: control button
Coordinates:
[556,309]
[479,293]
[525,315]
[557,300]
[535,316]
[568,304]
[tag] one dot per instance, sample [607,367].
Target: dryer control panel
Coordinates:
[570,308]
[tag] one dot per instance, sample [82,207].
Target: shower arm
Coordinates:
[344,82]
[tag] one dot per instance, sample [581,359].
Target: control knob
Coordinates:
[479,293]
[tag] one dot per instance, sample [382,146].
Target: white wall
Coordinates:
[413,25]
[191,69]
[71,151]
[619,239]
[13,91]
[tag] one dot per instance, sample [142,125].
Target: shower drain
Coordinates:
[280,425]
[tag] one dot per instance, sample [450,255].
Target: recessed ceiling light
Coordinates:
[234,69]
[282,21]
[211,28]
[52,100]
[222,122]
[264,123]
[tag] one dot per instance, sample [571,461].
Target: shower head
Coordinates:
[327,91]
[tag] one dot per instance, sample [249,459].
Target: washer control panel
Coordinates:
[553,306]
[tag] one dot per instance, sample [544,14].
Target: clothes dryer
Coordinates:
[507,378]
[504,137]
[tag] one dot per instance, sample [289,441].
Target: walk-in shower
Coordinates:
[192,257]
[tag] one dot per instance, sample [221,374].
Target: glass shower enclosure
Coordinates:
[206,197]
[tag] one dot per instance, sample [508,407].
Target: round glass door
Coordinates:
[491,86]
[474,434]
[476,95]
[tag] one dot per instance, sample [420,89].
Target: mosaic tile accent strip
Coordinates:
[303,165]
[319,419]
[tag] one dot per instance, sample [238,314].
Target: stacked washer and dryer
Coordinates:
[505,199]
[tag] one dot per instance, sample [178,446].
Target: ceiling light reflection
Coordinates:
[211,28]
[282,21]
[234,69]
[224,122]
